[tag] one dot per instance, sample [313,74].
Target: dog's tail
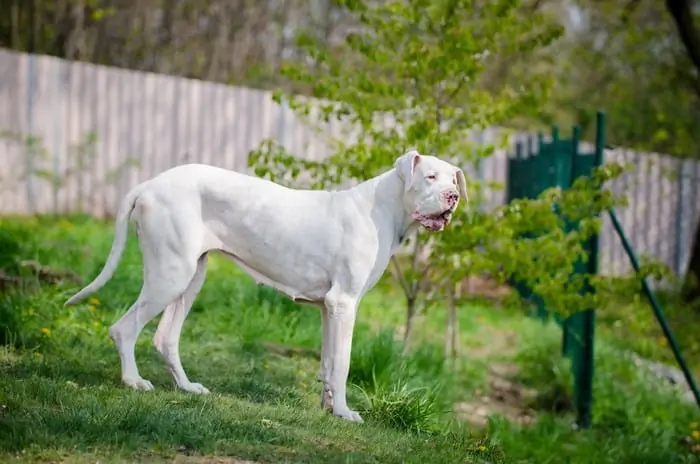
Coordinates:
[118,245]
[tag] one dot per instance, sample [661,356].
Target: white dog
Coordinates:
[319,247]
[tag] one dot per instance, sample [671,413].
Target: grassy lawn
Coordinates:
[507,399]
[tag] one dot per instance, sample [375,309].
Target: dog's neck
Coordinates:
[387,191]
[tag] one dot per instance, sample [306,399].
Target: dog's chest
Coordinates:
[377,271]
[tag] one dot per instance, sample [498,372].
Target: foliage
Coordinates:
[413,63]
[640,61]
[625,57]
[228,41]
[535,241]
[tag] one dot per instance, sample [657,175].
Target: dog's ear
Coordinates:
[462,184]
[405,165]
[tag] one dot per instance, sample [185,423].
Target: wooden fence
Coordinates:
[75,137]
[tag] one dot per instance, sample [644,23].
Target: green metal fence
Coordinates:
[558,163]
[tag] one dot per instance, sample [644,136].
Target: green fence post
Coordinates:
[518,178]
[513,166]
[589,314]
[581,326]
[529,178]
[558,163]
[571,333]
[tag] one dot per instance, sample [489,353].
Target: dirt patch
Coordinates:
[484,287]
[503,343]
[505,398]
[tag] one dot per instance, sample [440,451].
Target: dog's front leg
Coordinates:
[339,322]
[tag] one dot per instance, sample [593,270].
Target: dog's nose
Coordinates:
[451,197]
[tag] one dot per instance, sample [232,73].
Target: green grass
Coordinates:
[631,325]
[61,399]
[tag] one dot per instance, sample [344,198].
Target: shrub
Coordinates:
[401,406]
[405,391]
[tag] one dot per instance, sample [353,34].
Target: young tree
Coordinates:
[420,64]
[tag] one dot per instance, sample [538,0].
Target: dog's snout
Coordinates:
[451,197]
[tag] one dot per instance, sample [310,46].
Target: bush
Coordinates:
[405,391]
[401,406]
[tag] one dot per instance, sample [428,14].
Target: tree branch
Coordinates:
[414,265]
[400,277]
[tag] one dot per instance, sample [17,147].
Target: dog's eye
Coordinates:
[431,177]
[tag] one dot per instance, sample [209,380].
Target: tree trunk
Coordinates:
[452,331]
[410,315]
[682,13]
[452,345]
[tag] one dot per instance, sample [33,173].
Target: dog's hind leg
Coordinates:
[167,337]
[150,303]
[124,334]
[170,246]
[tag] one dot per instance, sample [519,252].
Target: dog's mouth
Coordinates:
[434,222]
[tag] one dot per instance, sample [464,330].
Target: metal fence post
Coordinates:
[589,314]
[569,341]
[585,371]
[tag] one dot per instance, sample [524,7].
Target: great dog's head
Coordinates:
[432,188]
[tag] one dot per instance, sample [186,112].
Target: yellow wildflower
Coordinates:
[696,434]
[46,331]
[94,301]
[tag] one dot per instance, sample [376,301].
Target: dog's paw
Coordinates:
[348,414]
[138,384]
[194,387]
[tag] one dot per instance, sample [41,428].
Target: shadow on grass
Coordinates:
[242,372]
